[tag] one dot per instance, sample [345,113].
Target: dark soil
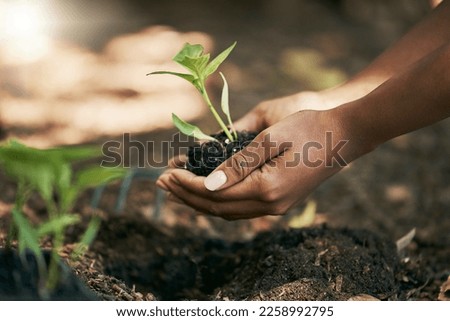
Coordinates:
[325,264]
[204,158]
[295,264]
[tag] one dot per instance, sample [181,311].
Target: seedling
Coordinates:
[199,68]
[49,173]
[204,158]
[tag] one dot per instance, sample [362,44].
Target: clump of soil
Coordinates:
[314,264]
[204,158]
[297,264]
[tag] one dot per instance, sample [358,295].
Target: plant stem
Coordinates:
[53,270]
[52,208]
[21,197]
[215,114]
[233,130]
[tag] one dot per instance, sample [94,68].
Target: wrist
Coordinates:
[349,91]
[353,126]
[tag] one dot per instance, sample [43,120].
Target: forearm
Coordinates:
[417,98]
[424,38]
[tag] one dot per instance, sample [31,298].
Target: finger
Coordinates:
[247,189]
[173,198]
[228,210]
[250,122]
[165,180]
[243,163]
[160,183]
[182,177]
[178,161]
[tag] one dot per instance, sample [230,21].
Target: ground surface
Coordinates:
[308,264]
[282,49]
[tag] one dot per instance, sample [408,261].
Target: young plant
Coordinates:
[199,68]
[49,173]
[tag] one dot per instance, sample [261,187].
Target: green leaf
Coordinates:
[196,65]
[225,104]
[74,153]
[46,170]
[64,186]
[188,50]
[96,175]
[28,237]
[32,166]
[57,225]
[88,237]
[187,77]
[189,130]
[192,58]
[216,62]
[43,169]
[192,79]
[91,231]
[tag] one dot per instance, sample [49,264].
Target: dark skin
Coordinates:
[406,88]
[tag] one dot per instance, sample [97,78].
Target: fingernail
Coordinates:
[215,180]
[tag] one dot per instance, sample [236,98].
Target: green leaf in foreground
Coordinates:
[88,237]
[29,165]
[57,225]
[189,130]
[74,153]
[28,240]
[95,175]
[28,237]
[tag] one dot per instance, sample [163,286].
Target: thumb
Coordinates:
[241,164]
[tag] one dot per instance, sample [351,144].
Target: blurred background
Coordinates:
[74,72]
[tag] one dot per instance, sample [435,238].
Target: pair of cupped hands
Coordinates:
[280,168]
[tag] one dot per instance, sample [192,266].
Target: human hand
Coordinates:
[278,169]
[269,112]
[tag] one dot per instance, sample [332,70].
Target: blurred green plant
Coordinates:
[200,68]
[50,173]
